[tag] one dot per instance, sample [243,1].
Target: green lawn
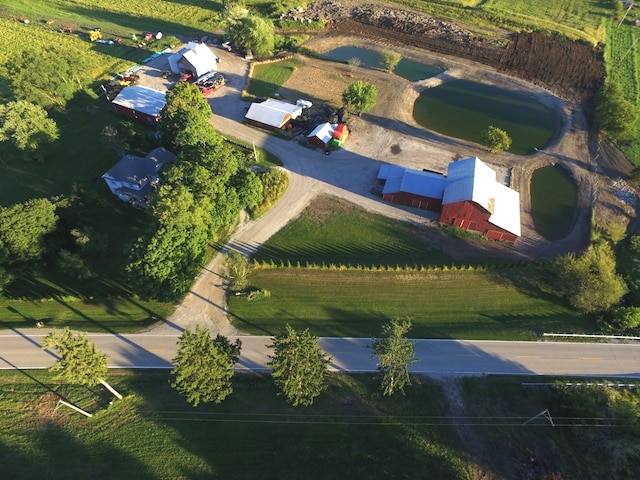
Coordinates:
[351,431]
[268,77]
[441,304]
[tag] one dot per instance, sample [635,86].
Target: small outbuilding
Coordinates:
[322,134]
[142,103]
[272,114]
[340,135]
[196,59]
[134,178]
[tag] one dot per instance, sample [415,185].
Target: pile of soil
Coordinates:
[569,69]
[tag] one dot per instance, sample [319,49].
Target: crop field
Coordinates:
[351,431]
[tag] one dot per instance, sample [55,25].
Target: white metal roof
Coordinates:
[268,116]
[294,110]
[142,99]
[201,58]
[472,179]
[324,132]
[398,179]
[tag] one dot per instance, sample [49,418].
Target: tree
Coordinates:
[626,318]
[236,271]
[589,281]
[496,139]
[353,62]
[360,96]
[613,114]
[27,126]
[49,75]
[390,59]
[299,367]
[395,354]
[204,366]
[80,361]
[629,266]
[252,32]
[23,230]
[185,117]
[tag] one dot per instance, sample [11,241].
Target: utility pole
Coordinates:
[545,413]
[625,13]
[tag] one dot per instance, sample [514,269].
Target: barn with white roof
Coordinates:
[468,196]
[196,59]
[272,114]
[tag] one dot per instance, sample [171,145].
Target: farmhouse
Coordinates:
[133,178]
[272,114]
[196,59]
[468,196]
[141,103]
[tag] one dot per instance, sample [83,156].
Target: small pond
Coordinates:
[465,109]
[407,69]
[554,196]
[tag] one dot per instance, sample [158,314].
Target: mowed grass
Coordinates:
[351,431]
[482,300]
[268,77]
[441,304]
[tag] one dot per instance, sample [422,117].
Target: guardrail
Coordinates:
[585,335]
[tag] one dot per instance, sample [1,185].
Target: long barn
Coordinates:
[468,196]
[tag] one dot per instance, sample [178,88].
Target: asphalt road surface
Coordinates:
[438,358]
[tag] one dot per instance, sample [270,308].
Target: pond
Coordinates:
[408,69]
[465,109]
[554,196]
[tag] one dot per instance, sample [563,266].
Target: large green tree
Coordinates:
[27,126]
[49,75]
[236,271]
[252,32]
[589,280]
[299,366]
[203,367]
[185,117]
[360,96]
[395,354]
[80,360]
[613,114]
[23,230]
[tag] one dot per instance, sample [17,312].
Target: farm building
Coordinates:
[322,134]
[196,59]
[141,103]
[412,187]
[468,196]
[133,178]
[272,114]
[340,135]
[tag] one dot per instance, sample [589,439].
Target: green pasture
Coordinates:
[267,78]
[554,196]
[351,431]
[338,232]
[474,304]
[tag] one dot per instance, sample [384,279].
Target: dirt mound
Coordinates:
[567,68]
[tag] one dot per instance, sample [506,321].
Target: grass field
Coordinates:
[500,302]
[349,432]
[449,304]
[266,78]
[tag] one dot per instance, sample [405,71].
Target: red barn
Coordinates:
[468,197]
[141,103]
[272,114]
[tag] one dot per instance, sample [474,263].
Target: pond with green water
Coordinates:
[465,109]
[408,69]
[554,196]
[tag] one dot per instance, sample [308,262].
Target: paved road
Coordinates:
[436,357]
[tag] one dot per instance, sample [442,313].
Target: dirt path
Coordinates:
[387,134]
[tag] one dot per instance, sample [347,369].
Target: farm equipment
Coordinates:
[95,34]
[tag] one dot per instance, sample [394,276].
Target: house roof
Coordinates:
[141,99]
[274,113]
[133,169]
[472,179]
[425,184]
[324,132]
